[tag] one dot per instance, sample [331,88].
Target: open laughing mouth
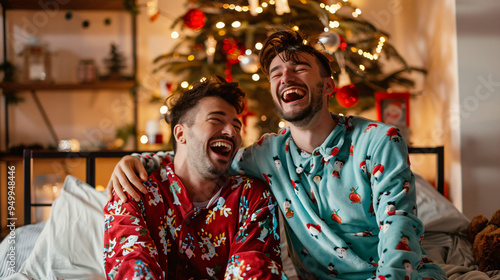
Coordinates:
[293,94]
[221,148]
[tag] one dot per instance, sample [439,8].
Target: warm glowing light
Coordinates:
[362,67]
[281,124]
[191,57]
[255,77]
[304,42]
[248,52]
[236,24]
[163,110]
[220,24]
[264,5]
[144,139]
[258,46]
[238,8]
[296,28]
[263,118]
[334,24]
[259,10]
[184,84]
[358,11]
[174,35]
[222,32]
[354,14]
[203,79]
[211,50]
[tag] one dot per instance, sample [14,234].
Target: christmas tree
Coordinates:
[115,63]
[224,37]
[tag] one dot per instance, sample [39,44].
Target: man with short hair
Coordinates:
[195,221]
[344,185]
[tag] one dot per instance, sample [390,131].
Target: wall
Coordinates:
[479,83]
[424,33]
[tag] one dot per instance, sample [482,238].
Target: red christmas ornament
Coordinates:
[343,44]
[347,96]
[194,19]
[232,49]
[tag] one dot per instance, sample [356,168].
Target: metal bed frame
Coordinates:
[90,158]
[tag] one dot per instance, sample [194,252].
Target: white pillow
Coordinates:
[71,243]
[436,212]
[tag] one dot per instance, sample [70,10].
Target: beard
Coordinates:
[304,117]
[199,160]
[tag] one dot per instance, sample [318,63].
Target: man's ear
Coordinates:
[179,134]
[328,86]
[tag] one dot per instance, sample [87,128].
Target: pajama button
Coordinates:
[317,178]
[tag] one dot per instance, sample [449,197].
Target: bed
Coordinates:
[69,245]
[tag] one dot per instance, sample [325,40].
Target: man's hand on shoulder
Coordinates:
[125,178]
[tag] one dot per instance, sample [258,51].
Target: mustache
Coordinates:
[287,85]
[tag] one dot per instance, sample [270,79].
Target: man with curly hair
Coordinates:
[195,221]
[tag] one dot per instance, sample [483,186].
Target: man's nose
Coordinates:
[287,76]
[229,130]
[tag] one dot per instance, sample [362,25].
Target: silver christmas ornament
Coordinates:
[330,40]
[249,63]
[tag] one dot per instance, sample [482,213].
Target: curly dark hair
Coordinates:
[180,105]
[291,42]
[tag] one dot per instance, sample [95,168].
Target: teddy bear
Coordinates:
[485,238]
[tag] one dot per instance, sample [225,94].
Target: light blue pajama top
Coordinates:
[350,206]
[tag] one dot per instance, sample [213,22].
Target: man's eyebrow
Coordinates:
[301,63]
[224,114]
[274,69]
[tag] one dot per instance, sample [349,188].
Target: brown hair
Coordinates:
[290,43]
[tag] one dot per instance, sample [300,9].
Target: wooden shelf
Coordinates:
[68,5]
[13,86]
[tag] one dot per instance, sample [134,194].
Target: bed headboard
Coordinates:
[439,152]
[90,158]
[90,166]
